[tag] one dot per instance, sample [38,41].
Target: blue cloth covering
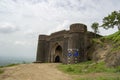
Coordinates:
[76,54]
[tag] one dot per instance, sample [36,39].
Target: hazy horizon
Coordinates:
[4,60]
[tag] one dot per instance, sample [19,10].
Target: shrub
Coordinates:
[1,71]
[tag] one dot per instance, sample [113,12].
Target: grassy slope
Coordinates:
[10,65]
[113,57]
[87,70]
[107,48]
[88,67]
[115,39]
[98,71]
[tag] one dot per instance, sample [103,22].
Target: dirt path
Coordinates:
[43,71]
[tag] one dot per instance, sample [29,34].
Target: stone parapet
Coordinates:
[78,27]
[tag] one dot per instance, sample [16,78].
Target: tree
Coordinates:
[95,26]
[112,20]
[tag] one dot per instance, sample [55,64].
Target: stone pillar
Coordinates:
[76,42]
[41,49]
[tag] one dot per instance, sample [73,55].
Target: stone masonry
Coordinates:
[66,46]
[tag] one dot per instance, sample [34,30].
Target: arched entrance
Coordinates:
[58,54]
[57,59]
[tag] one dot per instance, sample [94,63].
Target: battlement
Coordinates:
[42,37]
[78,27]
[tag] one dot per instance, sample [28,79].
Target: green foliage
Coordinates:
[95,26]
[1,66]
[87,67]
[112,20]
[115,40]
[1,71]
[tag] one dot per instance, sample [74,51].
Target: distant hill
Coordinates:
[11,60]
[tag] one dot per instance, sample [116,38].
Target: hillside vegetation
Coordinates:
[107,49]
[91,71]
[115,40]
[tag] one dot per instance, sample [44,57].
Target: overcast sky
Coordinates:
[21,21]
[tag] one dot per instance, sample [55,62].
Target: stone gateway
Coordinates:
[66,46]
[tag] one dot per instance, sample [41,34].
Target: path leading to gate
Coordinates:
[43,71]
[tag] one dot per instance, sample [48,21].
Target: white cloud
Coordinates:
[7,28]
[63,26]
[36,17]
[23,43]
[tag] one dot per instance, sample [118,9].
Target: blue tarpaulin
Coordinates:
[76,54]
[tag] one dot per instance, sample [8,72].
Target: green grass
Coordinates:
[10,65]
[87,71]
[87,67]
[100,78]
[1,71]
[114,39]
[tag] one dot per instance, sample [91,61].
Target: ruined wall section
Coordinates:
[77,42]
[41,48]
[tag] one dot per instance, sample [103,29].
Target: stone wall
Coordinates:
[73,43]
